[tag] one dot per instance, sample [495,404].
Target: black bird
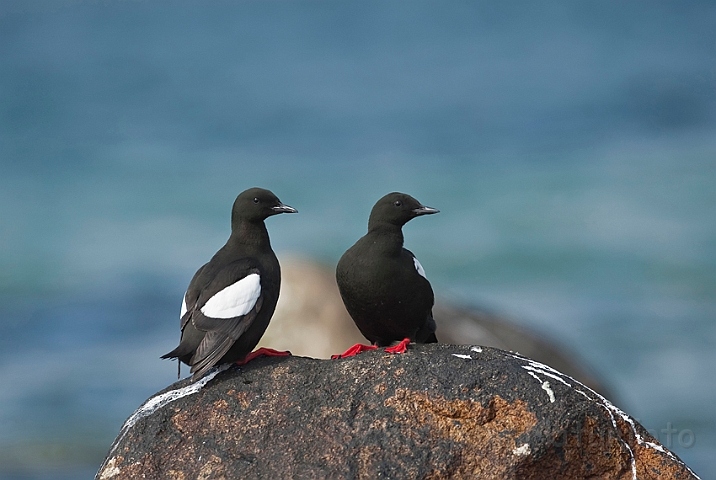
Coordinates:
[231,299]
[383,285]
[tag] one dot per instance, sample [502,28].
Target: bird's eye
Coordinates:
[397,203]
[256,199]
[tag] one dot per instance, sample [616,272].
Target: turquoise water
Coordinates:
[570,148]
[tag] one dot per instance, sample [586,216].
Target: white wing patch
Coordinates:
[419,268]
[183,306]
[235,300]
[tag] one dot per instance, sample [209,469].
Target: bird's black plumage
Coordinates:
[382,284]
[230,299]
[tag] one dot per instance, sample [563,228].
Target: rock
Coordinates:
[462,326]
[438,411]
[310,320]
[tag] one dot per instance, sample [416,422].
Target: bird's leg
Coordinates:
[354,350]
[269,352]
[402,347]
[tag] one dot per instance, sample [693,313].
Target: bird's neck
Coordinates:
[387,237]
[252,234]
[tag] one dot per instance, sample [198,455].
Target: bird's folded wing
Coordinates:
[188,303]
[210,350]
[235,300]
[226,314]
[418,267]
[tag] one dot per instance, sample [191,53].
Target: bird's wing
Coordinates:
[190,298]
[418,268]
[229,305]
[424,280]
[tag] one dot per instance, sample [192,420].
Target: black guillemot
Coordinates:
[230,299]
[382,284]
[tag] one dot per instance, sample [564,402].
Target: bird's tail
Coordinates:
[427,333]
[177,353]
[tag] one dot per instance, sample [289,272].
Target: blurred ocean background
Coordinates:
[570,146]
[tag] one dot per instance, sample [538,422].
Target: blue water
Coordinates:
[570,147]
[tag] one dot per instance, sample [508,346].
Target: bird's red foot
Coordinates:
[354,350]
[402,347]
[269,352]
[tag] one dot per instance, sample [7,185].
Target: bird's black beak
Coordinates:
[281,208]
[423,210]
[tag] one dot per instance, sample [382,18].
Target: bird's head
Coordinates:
[397,209]
[257,204]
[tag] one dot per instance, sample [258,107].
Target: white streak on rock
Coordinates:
[158,401]
[546,373]
[604,403]
[522,451]
[545,387]
[476,349]
[458,355]
[557,375]
[532,374]
[638,437]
